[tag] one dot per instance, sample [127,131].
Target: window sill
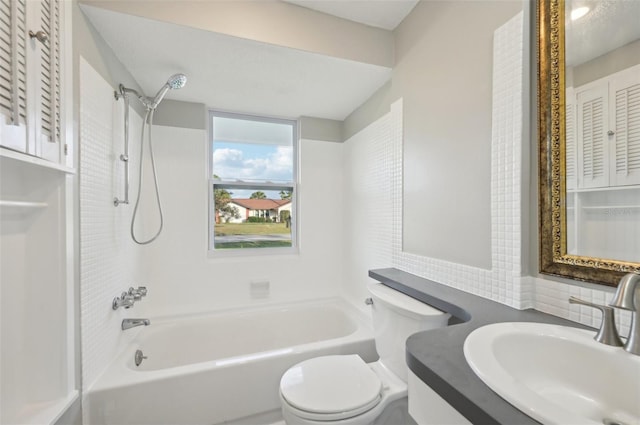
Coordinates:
[252,253]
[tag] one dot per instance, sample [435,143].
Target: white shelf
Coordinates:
[33,160]
[46,412]
[20,209]
[612,207]
[21,205]
[604,189]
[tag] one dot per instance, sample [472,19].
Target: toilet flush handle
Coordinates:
[368,301]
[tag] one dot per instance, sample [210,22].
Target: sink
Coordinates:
[557,374]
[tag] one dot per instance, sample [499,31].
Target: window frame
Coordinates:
[212,184]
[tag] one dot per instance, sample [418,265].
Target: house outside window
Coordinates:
[252,184]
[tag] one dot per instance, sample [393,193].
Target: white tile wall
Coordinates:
[107,257]
[369,168]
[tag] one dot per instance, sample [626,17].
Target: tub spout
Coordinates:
[132,323]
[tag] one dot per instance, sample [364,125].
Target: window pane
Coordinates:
[252,218]
[249,150]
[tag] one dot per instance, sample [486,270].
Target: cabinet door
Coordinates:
[47,131]
[13,75]
[30,79]
[593,150]
[625,123]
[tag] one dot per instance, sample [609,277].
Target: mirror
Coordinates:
[589,130]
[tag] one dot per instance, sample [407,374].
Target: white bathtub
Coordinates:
[222,367]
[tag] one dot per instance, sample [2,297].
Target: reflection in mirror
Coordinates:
[602,65]
[589,128]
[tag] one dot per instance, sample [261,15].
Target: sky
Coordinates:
[252,162]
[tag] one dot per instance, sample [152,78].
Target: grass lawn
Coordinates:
[251,229]
[256,244]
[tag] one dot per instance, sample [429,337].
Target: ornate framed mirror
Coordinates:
[589,139]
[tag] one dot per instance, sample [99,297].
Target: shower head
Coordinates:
[176,81]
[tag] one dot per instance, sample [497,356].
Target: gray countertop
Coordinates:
[436,356]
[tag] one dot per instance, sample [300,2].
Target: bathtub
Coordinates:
[222,367]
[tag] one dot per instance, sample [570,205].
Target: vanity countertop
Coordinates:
[436,356]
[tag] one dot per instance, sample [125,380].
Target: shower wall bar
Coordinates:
[124,157]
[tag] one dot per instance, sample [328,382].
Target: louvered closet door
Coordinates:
[625,122]
[47,98]
[592,139]
[13,75]
[571,166]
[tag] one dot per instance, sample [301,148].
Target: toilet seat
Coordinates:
[331,388]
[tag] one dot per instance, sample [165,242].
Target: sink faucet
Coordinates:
[132,323]
[627,297]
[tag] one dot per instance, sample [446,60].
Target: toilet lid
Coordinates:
[330,385]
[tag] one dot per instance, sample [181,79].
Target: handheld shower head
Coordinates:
[176,81]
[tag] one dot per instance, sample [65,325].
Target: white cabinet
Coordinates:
[31,77]
[625,111]
[603,132]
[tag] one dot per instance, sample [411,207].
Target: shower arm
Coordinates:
[125,156]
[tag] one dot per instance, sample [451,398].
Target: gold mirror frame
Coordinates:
[554,259]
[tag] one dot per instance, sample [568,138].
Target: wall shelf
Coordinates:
[20,209]
[46,412]
[33,160]
[604,189]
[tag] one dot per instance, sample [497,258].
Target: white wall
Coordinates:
[34,361]
[368,228]
[177,270]
[109,261]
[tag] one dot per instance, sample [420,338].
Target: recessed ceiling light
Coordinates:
[579,12]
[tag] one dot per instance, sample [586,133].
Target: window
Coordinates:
[252,183]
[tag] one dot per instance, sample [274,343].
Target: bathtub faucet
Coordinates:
[132,323]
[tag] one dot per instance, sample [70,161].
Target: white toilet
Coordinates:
[345,390]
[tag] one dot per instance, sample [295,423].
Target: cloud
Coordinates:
[232,164]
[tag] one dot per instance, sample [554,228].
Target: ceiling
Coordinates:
[608,25]
[386,14]
[235,74]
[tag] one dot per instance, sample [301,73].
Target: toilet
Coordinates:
[343,389]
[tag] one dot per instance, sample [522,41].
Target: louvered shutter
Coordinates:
[625,107]
[13,74]
[570,146]
[592,138]
[49,76]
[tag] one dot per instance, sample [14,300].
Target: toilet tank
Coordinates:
[397,316]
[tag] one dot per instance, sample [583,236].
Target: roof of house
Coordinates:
[260,204]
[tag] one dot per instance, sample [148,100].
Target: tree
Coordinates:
[258,195]
[285,194]
[224,211]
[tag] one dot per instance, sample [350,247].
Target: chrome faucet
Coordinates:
[132,323]
[608,333]
[627,297]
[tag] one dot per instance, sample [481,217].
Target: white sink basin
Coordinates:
[557,374]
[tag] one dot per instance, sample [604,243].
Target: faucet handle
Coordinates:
[124,300]
[137,294]
[608,333]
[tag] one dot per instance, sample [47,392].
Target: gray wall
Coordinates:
[607,64]
[443,72]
